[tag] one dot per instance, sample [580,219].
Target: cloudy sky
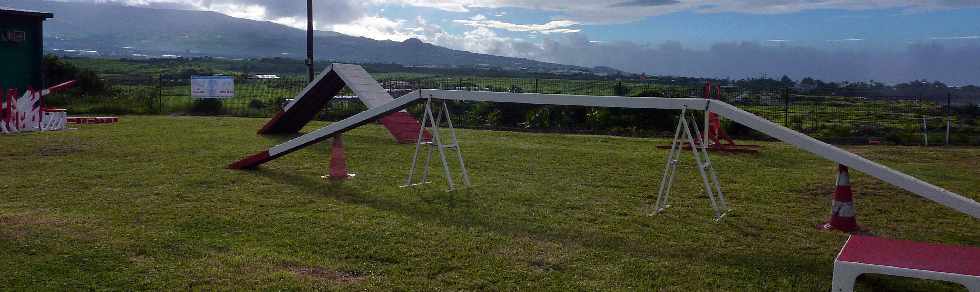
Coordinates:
[887,40]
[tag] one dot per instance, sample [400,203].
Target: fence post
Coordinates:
[786,107]
[949,114]
[925,132]
[536,89]
[160,93]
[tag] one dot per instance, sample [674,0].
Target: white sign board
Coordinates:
[212,86]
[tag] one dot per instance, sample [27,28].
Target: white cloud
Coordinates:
[971,37]
[377,27]
[450,5]
[554,26]
[583,11]
[253,12]
[326,11]
[605,11]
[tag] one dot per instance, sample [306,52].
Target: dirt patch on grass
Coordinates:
[18,226]
[61,147]
[539,254]
[321,273]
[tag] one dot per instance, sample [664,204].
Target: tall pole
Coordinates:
[309,39]
[949,114]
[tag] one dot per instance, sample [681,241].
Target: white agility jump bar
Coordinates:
[817,147]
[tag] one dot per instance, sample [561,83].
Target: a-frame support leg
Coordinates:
[708,175]
[433,122]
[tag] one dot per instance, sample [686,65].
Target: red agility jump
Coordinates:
[715,136]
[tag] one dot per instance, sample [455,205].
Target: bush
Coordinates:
[257,104]
[57,71]
[207,106]
[738,130]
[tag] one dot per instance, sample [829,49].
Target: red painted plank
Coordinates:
[251,161]
[403,127]
[912,255]
[267,129]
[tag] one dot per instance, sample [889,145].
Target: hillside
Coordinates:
[120,31]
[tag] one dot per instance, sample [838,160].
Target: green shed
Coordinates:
[21,48]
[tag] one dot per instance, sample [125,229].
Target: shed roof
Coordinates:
[21,12]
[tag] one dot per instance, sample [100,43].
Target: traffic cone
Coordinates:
[843,214]
[338,162]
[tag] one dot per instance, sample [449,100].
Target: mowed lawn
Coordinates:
[148,204]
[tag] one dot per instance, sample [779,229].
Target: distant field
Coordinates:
[147,204]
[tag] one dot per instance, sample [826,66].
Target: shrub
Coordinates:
[257,104]
[208,106]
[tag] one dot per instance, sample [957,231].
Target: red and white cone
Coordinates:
[338,162]
[843,215]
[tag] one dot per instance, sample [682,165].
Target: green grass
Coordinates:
[147,204]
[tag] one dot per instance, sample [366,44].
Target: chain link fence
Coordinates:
[894,120]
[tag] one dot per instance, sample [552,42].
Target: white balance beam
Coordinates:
[817,147]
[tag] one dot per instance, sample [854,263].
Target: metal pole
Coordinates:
[309,39]
[949,111]
[786,108]
[947,131]
[925,131]
[160,91]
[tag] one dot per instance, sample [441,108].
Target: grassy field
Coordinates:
[147,204]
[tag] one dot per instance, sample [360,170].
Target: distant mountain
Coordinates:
[110,30]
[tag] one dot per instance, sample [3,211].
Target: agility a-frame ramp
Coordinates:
[817,147]
[304,107]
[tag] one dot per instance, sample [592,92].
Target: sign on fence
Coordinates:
[212,87]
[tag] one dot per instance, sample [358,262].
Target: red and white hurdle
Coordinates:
[27,112]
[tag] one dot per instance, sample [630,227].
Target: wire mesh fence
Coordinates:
[833,118]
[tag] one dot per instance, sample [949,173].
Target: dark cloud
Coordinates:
[957,64]
[327,11]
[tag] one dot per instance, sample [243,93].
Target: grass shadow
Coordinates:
[462,209]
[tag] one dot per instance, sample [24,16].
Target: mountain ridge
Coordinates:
[112,30]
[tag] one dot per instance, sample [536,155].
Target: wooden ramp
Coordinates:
[304,107]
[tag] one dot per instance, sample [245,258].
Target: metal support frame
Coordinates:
[433,123]
[708,175]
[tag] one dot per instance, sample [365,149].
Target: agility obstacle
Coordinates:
[27,113]
[715,138]
[432,123]
[875,255]
[338,161]
[712,187]
[843,215]
[800,140]
[92,120]
[304,107]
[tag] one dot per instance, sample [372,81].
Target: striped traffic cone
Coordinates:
[843,214]
[338,162]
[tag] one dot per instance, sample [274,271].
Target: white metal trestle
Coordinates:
[712,187]
[433,122]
